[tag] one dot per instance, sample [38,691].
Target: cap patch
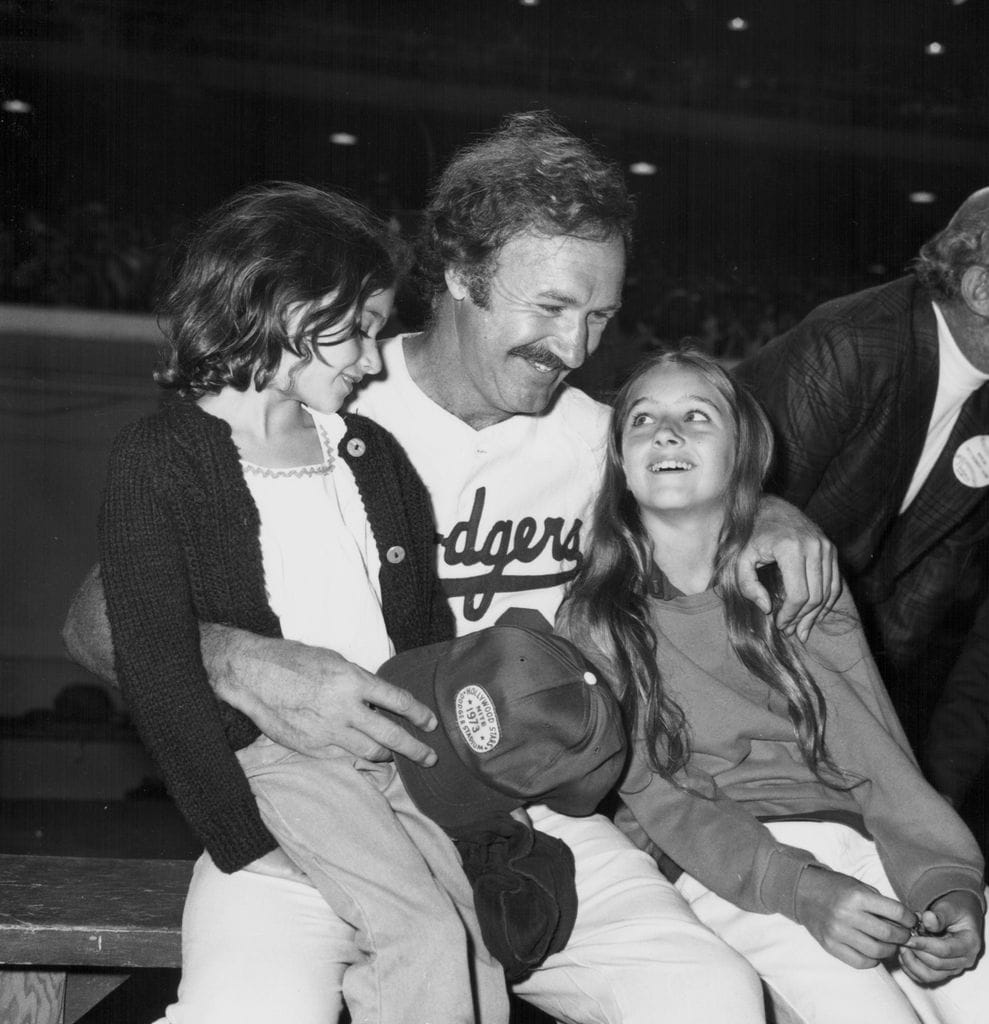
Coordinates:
[477,719]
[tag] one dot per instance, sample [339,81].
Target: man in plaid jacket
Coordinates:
[881,408]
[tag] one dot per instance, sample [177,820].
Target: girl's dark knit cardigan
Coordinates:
[180,545]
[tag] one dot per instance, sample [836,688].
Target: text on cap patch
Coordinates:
[477,719]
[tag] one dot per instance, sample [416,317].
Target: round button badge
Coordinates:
[971,461]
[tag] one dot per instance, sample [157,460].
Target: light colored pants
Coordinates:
[256,949]
[264,946]
[809,985]
[637,954]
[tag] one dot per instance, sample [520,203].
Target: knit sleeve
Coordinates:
[925,847]
[156,644]
[712,837]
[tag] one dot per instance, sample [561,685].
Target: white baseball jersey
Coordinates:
[512,501]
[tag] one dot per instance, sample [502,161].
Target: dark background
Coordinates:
[785,157]
[785,153]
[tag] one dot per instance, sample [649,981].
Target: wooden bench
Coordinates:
[72,927]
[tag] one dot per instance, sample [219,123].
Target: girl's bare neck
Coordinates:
[684,548]
[268,429]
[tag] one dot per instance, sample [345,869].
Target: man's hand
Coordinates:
[953,939]
[86,633]
[311,698]
[306,698]
[807,560]
[850,919]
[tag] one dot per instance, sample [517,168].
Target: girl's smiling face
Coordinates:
[342,356]
[678,442]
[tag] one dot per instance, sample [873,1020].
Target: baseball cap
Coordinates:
[522,717]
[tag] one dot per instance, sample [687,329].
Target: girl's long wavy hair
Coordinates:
[608,599]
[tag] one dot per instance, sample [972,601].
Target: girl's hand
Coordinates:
[850,919]
[950,939]
[807,561]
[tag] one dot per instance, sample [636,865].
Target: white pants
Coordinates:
[808,984]
[637,954]
[263,946]
[400,901]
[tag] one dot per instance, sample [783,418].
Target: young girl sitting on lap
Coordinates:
[251,502]
[775,775]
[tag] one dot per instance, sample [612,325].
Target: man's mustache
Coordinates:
[537,353]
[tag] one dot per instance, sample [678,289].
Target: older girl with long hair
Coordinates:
[772,777]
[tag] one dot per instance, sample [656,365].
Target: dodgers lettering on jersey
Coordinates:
[506,543]
[511,502]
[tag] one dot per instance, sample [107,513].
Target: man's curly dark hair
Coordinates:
[531,175]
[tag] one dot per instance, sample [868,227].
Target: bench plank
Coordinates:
[78,911]
[30,997]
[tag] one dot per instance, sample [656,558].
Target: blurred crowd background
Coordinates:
[782,152]
[86,257]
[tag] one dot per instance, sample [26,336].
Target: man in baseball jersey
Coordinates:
[524,254]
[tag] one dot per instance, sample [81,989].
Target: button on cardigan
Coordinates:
[179,545]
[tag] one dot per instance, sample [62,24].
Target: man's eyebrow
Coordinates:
[564,299]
